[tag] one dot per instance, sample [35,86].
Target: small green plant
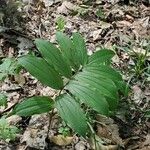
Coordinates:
[139,56]
[147,114]
[83,82]
[9,66]
[3,100]
[7,132]
[60,23]
[83,11]
[65,131]
[100,14]
[140,66]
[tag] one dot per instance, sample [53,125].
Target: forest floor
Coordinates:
[124,28]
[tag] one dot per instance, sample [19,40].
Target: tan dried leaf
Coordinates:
[108,130]
[61,140]
[65,8]
[20,79]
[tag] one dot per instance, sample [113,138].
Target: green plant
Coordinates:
[9,66]
[7,132]
[65,131]
[3,100]
[82,11]
[140,63]
[100,14]
[60,23]
[140,57]
[147,114]
[82,81]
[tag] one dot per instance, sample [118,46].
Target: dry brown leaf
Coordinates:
[138,94]
[146,144]
[124,23]
[35,138]
[129,18]
[116,59]
[108,130]
[81,145]
[13,120]
[61,140]
[48,2]
[36,132]
[97,144]
[147,141]
[96,34]
[65,8]
[20,79]
[105,25]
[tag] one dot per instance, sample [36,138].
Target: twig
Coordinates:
[6,30]
[8,109]
[50,121]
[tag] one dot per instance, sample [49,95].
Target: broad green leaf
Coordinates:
[122,87]
[33,105]
[104,71]
[104,86]
[53,56]
[71,112]
[3,100]
[80,48]
[102,78]
[66,47]
[4,67]
[89,96]
[39,68]
[101,56]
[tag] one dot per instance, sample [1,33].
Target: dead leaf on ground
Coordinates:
[146,144]
[65,8]
[138,94]
[96,34]
[13,120]
[61,140]
[36,132]
[97,144]
[20,79]
[107,129]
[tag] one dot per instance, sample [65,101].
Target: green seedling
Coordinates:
[9,66]
[81,80]
[3,100]
[60,23]
[7,132]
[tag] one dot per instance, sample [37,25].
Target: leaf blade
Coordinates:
[71,112]
[66,47]
[42,71]
[80,48]
[89,96]
[101,56]
[33,105]
[53,56]
[105,71]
